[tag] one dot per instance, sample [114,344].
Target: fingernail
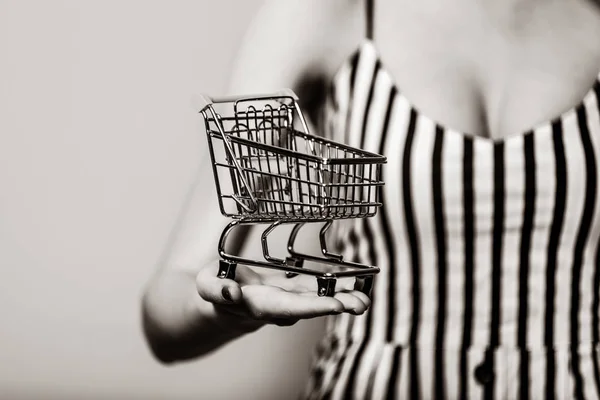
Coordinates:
[226,294]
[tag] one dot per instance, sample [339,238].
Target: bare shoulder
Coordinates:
[295,41]
[324,32]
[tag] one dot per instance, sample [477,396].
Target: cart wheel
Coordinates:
[364,284]
[226,269]
[293,262]
[326,286]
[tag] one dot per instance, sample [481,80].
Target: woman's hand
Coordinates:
[254,299]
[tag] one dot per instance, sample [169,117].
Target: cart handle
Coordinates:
[236,164]
[204,103]
[201,101]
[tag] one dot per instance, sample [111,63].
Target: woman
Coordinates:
[488,241]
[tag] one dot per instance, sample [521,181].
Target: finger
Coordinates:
[221,290]
[284,322]
[304,283]
[247,276]
[299,284]
[308,284]
[217,290]
[352,303]
[362,296]
[269,303]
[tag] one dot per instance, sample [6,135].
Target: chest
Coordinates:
[540,183]
[492,72]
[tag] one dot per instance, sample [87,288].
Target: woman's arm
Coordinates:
[187,311]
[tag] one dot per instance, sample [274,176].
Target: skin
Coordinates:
[482,67]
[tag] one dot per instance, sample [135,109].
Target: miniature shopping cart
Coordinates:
[268,169]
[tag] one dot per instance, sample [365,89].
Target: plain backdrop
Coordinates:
[98,146]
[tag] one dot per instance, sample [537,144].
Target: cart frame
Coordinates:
[271,170]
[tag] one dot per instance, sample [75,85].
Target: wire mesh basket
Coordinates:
[269,169]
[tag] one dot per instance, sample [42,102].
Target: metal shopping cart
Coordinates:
[268,169]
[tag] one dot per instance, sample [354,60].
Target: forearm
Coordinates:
[180,325]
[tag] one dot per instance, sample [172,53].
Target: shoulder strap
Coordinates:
[369,18]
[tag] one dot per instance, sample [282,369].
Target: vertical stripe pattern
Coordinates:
[489,253]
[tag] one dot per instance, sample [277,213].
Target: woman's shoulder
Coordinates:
[330,30]
[292,42]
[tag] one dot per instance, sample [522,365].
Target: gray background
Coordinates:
[98,146]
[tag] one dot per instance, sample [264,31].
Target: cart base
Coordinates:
[294,264]
[326,281]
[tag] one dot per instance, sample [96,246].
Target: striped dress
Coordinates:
[489,252]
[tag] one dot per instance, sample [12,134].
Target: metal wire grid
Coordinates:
[287,173]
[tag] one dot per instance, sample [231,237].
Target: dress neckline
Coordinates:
[368,45]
